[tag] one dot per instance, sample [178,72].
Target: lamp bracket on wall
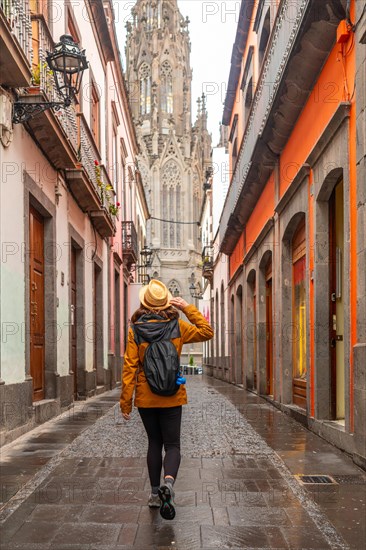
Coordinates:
[23,111]
[67,63]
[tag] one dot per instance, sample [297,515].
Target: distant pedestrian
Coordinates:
[157,320]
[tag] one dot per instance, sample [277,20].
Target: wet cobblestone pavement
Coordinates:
[80,481]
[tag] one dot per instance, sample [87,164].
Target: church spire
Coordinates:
[173,156]
[158,54]
[150,15]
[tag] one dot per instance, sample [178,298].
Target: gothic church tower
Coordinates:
[174,155]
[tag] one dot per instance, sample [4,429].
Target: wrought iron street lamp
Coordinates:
[67,63]
[146,261]
[195,289]
[146,255]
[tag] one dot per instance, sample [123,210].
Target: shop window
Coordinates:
[299,315]
[299,269]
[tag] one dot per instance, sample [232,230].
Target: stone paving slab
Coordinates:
[233,489]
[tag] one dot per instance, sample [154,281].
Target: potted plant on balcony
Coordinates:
[114,208]
[105,197]
[78,163]
[37,71]
[34,88]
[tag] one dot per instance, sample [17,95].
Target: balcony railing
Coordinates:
[17,14]
[87,150]
[207,262]
[129,243]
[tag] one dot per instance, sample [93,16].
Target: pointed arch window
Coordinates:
[145,89]
[149,17]
[171,210]
[159,13]
[174,288]
[167,87]
[171,180]
[165,215]
[178,210]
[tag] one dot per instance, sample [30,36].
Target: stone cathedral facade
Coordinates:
[174,154]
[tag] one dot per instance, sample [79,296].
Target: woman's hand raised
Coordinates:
[179,303]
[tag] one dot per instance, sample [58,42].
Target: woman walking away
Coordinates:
[151,369]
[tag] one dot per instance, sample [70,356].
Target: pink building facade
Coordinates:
[73,214]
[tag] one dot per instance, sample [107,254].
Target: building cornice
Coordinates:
[245,19]
[273,116]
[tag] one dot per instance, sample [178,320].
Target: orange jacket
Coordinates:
[133,377]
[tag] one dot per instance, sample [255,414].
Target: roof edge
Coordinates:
[245,18]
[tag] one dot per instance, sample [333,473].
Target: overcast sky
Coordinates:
[212,33]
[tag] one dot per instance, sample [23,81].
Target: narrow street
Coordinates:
[80,481]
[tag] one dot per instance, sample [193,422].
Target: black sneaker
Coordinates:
[166,495]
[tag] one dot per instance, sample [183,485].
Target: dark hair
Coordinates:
[169,313]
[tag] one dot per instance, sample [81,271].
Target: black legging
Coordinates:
[162,426]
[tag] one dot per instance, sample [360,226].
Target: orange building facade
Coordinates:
[293,223]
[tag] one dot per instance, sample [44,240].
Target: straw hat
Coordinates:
[155,295]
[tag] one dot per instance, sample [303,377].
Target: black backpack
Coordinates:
[161,362]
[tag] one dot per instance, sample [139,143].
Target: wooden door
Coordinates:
[117,315]
[125,316]
[95,318]
[37,313]
[73,324]
[269,335]
[254,339]
[239,336]
[336,322]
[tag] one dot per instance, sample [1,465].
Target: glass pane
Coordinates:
[165,216]
[178,227]
[142,96]
[163,94]
[172,213]
[170,96]
[299,319]
[148,95]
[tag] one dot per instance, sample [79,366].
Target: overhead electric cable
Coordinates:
[172,221]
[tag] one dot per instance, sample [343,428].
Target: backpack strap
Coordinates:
[172,331]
